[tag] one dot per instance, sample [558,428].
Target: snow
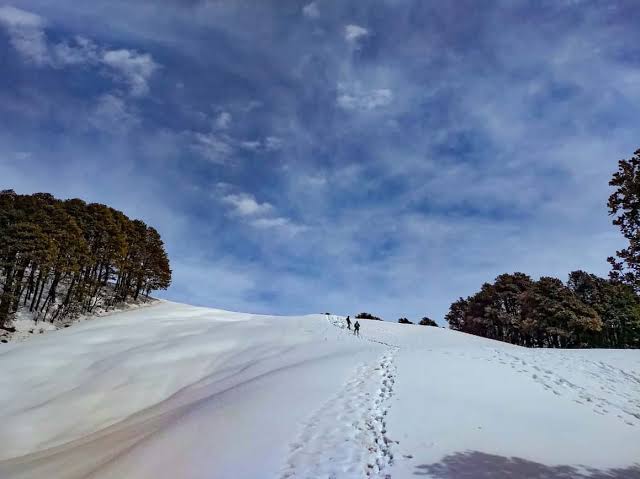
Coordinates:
[25,323]
[172,390]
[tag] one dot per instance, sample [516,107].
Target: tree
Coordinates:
[624,206]
[506,306]
[493,312]
[62,258]
[555,317]
[587,312]
[617,305]
[404,321]
[457,314]
[428,322]
[367,316]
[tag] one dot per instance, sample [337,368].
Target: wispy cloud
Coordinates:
[245,204]
[392,165]
[76,51]
[273,143]
[259,215]
[353,33]
[251,145]
[26,32]
[311,10]
[223,120]
[217,148]
[279,223]
[132,67]
[112,114]
[354,97]
[269,143]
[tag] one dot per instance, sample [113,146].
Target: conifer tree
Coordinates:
[426,321]
[624,206]
[63,258]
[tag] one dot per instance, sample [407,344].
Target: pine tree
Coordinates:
[624,205]
[426,321]
[560,319]
[62,258]
[617,305]
[546,313]
[457,315]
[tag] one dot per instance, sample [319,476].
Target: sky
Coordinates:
[339,156]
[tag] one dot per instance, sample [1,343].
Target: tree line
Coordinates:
[59,259]
[587,311]
[425,321]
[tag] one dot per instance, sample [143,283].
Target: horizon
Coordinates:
[330,156]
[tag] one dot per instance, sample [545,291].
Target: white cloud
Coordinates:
[250,106]
[273,143]
[270,143]
[111,113]
[261,216]
[313,180]
[311,10]
[219,147]
[280,223]
[245,204]
[26,34]
[135,68]
[215,148]
[223,120]
[28,37]
[270,222]
[16,17]
[251,145]
[355,98]
[353,33]
[81,51]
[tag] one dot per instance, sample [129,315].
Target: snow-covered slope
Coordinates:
[25,324]
[174,391]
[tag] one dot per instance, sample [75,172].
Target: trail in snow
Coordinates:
[618,391]
[347,436]
[195,389]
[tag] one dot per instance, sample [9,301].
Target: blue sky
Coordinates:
[341,156]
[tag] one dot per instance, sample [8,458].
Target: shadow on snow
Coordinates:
[478,465]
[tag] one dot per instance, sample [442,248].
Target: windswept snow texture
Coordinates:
[174,391]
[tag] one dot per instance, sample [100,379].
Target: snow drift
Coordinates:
[175,391]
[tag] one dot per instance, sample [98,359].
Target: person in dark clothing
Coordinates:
[348,323]
[356,328]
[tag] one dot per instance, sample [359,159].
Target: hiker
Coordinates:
[356,328]
[348,323]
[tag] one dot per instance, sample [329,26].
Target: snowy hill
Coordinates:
[25,323]
[175,391]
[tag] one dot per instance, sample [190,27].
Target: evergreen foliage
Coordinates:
[367,316]
[616,304]
[426,321]
[405,321]
[586,312]
[63,258]
[624,205]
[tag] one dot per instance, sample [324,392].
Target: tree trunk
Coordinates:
[51,296]
[29,291]
[5,299]
[17,292]
[62,310]
[43,281]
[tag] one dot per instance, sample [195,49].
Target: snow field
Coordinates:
[177,391]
